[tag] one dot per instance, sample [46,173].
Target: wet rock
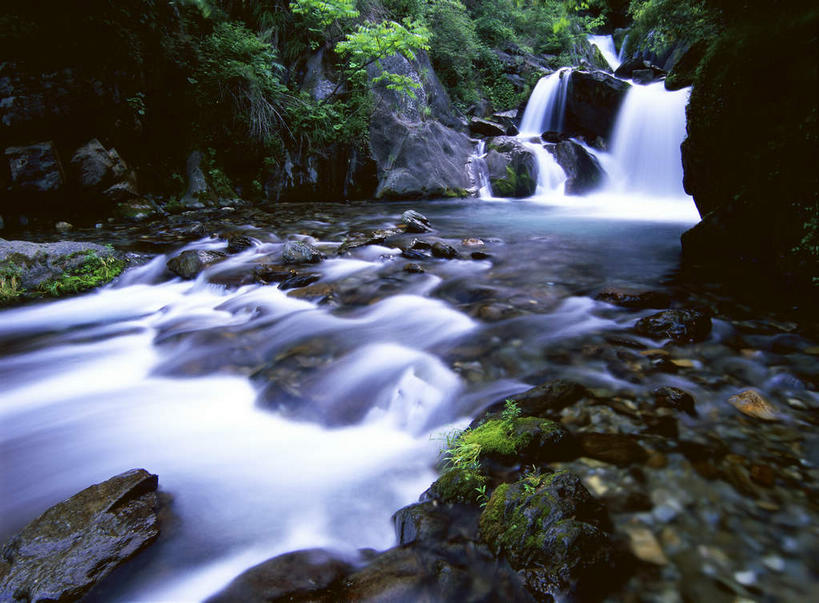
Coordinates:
[296,575]
[63,553]
[484,127]
[549,528]
[238,242]
[299,252]
[549,398]
[298,280]
[384,236]
[628,67]
[63,227]
[550,136]
[583,171]
[415,222]
[682,326]
[35,168]
[190,263]
[512,168]
[493,312]
[753,404]
[611,448]
[415,254]
[676,398]
[638,300]
[422,522]
[480,255]
[593,101]
[447,572]
[413,268]
[444,251]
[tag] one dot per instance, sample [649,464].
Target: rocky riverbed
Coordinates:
[688,416]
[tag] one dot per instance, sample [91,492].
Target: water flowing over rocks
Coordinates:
[63,553]
[190,263]
[592,102]
[583,171]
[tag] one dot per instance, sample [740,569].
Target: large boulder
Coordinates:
[750,156]
[551,530]
[593,100]
[416,157]
[63,553]
[35,269]
[35,169]
[583,171]
[512,168]
[100,171]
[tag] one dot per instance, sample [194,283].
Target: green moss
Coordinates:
[497,436]
[459,485]
[506,187]
[92,272]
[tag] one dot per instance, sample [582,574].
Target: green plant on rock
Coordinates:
[92,272]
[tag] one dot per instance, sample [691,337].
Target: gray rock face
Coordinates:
[299,252]
[190,263]
[582,169]
[593,100]
[416,157]
[484,127]
[35,168]
[512,168]
[99,170]
[197,191]
[63,553]
[37,263]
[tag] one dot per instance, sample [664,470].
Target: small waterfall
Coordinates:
[481,171]
[646,142]
[606,46]
[547,105]
[621,56]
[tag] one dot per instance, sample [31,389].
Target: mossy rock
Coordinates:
[551,529]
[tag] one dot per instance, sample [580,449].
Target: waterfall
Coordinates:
[621,56]
[547,105]
[606,46]
[481,171]
[646,141]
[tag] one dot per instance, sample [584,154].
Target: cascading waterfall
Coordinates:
[547,105]
[646,141]
[482,171]
[606,46]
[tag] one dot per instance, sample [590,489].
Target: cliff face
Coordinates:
[750,155]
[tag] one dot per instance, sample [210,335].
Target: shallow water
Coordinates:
[278,421]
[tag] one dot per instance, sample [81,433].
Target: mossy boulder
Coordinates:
[31,270]
[552,530]
[512,168]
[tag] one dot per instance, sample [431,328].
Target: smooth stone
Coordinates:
[752,404]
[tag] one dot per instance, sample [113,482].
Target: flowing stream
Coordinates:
[278,420]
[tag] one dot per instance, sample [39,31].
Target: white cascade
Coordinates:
[547,105]
[606,46]
[646,141]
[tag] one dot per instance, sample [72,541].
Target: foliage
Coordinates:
[373,42]
[240,70]
[92,272]
[10,287]
[663,23]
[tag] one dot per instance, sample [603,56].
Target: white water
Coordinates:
[90,390]
[646,140]
[643,166]
[607,49]
[547,105]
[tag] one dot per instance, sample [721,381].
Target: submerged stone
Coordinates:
[753,404]
[682,326]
